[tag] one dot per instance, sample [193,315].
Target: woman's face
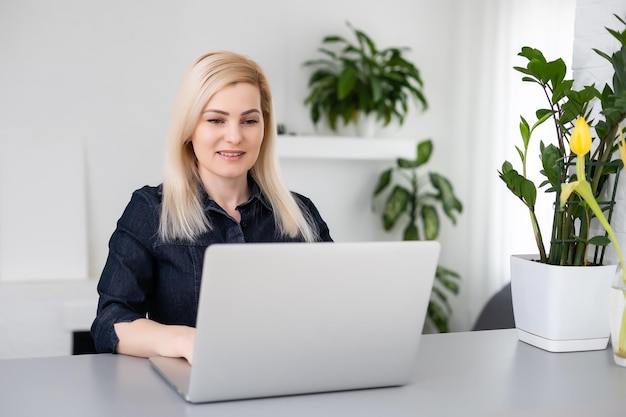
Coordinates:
[228,136]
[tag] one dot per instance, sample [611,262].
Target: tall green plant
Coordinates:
[570,236]
[417,200]
[358,78]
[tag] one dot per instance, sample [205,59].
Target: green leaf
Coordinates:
[550,156]
[364,41]
[603,55]
[377,89]
[524,129]
[542,116]
[520,153]
[424,151]
[407,163]
[383,181]
[438,316]
[506,167]
[599,241]
[561,90]
[520,186]
[333,39]
[531,53]
[411,232]
[446,278]
[443,271]
[436,313]
[347,81]
[439,295]
[449,201]
[430,219]
[529,192]
[395,206]
[448,283]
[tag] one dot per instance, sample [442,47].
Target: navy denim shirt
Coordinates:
[146,277]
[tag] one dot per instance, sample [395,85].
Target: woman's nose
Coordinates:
[233,134]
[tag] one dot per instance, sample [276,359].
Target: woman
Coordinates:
[221,184]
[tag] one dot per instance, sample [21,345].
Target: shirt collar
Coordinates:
[255,195]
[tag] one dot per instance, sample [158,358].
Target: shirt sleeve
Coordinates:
[126,280]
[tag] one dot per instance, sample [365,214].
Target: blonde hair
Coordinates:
[182,214]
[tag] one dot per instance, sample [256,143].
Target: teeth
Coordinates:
[230,153]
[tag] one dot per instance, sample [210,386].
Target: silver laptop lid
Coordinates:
[283,318]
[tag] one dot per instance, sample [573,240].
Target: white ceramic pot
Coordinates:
[366,126]
[561,308]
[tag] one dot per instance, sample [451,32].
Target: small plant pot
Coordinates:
[561,308]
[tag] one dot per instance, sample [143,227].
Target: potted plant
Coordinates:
[578,175]
[417,200]
[355,80]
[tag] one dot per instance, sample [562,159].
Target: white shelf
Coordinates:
[337,147]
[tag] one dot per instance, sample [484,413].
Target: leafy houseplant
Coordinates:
[417,200]
[358,79]
[570,232]
[577,166]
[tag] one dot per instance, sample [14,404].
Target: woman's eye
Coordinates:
[250,121]
[215,121]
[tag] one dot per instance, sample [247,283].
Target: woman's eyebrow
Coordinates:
[225,113]
[216,111]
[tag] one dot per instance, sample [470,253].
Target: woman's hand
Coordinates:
[185,339]
[145,338]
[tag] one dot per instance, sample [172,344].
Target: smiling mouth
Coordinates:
[230,154]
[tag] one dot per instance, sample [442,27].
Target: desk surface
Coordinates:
[488,373]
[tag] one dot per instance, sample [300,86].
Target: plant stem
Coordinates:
[566,228]
[621,347]
[538,237]
[600,216]
[604,156]
[413,202]
[556,245]
[556,112]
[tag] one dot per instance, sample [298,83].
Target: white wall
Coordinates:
[105,74]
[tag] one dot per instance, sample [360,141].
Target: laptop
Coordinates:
[279,319]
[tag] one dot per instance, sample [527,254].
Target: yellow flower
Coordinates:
[580,141]
[566,190]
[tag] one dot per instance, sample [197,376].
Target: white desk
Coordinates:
[486,373]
